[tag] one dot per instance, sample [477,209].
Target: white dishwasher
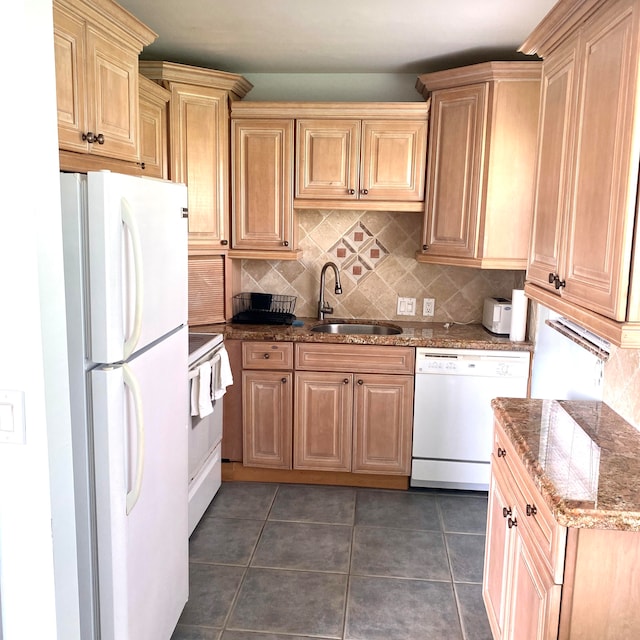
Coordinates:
[453,419]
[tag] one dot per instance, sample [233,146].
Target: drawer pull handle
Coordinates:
[345,381]
[512,522]
[506,511]
[266,356]
[532,509]
[283,380]
[502,453]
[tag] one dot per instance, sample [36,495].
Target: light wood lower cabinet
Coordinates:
[267,404]
[544,581]
[350,421]
[346,408]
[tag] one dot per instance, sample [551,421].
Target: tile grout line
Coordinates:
[248,565]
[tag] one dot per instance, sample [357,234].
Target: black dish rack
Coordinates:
[263,308]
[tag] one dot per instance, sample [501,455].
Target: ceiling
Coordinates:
[337,36]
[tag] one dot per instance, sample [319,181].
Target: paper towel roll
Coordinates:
[519,305]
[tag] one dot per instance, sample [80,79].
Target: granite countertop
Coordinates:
[581,455]
[414,334]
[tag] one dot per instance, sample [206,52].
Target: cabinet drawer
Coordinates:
[267,355]
[534,515]
[354,357]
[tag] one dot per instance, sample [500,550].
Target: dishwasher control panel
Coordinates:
[470,362]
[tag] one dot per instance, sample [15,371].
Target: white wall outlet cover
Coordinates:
[428,307]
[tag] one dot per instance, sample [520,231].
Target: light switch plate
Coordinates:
[406,306]
[12,427]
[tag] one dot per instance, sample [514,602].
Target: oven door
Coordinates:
[205,438]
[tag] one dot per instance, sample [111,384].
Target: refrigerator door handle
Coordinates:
[131,382]
[129,222]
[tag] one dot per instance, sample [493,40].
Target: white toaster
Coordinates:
[496,315]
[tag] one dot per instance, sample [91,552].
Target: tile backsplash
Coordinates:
[622,383]
[375,252]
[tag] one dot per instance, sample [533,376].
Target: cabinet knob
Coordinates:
[283,380]
[224,243]
[558,284]
[425,247]
[364,192]
[100,138]
[360,382]
[285,243]
[351,192]
[345,381]
[512,522]
[552,278]
[531,509]
[502,453]
[266,356]
[506,511]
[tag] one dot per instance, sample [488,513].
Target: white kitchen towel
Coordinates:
[223,377]
[201,404]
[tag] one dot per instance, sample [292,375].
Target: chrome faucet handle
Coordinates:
[326,308]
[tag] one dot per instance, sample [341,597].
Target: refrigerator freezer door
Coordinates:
[142,554]
[137,258]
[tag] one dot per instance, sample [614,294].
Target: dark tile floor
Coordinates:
[288,562]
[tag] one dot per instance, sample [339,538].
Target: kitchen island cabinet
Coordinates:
[563,526]
[481,164]
[96,53]
[581,259]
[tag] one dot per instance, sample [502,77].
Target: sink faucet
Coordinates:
[323,306]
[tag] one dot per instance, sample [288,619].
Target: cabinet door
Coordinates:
[497,552]
[323,421]
[553,171]
[383,421]
[153,128]
[327,158]
[534,607]
[262,213]
[267,409]
[603,205]
[71,88]
[393,160]
[199,147]
[112,90]
[456,147]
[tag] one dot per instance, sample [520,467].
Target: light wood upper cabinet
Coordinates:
[199,148]
[262,185]
[481,164]
[585,230]
[154,107]
[96,52]
[364,160]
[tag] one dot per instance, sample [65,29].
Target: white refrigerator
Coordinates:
[125,256]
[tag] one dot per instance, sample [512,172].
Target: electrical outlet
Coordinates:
[406,306]
[428,307]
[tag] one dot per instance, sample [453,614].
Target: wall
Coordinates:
[338,87]
[375,252]
[36,496]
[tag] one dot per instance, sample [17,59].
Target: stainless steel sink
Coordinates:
[357,328]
